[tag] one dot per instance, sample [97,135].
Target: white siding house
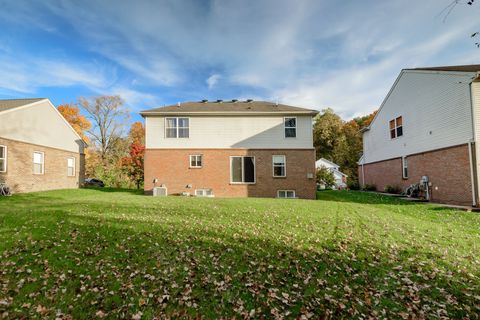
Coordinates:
[340,177]
[427,126]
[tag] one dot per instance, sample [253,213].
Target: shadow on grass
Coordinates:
[361,197]
[116,190]
[219,271]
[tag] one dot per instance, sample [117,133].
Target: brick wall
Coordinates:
[171,167]
[447,169]
[20,177]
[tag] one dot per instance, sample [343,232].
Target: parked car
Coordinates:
[92,182]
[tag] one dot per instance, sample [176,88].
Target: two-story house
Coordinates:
[230,149]
[39,150]
[428,126]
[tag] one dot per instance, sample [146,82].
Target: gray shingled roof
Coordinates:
[464,68]
[228,107]
[8,104]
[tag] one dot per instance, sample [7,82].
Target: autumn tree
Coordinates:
[133,163]
[109,117]
[340,141]
[79,123]
[327,129]
[137,133]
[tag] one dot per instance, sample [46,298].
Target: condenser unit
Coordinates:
[160,192]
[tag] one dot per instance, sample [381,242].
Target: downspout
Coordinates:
[363,176]
[472,178]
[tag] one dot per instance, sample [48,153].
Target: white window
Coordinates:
[177,127]
[204,193]
[290,127]
[242,169]
[3,159]
[38,163]
[286,194]
[404,167]
[71,167]
[396,127]
[196,161]
[279,168]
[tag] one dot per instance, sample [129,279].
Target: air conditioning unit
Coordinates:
[160,192]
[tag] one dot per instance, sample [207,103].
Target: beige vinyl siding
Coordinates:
[265,132]
[39,124]
[436,112]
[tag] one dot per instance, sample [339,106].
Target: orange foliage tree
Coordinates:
[80,124]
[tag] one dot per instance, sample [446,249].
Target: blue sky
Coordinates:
[316,54]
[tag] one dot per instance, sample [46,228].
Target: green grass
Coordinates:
[116,253]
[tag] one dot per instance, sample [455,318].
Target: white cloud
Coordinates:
[213,80]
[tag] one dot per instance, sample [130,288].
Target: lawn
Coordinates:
[115,253]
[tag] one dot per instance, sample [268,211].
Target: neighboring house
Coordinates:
[39,150]
[340,177]
[428,125]
[230,149]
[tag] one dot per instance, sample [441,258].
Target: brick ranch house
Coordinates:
[39,150]
[230,149]
[428,125]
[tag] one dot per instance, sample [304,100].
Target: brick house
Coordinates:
[428,125]
[230,149]
[39,150]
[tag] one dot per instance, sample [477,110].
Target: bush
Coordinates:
[353,184]
[392,189]
[325,177]
[370,187]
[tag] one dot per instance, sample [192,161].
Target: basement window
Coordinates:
[177,127]
[242,170]
[203,193]
[3,159]
[404,168]
[396,128]
[288,194]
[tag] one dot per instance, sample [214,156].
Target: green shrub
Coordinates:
[353,184]
[370,187]
[392,189]
[325,177]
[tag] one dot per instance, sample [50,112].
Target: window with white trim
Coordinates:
[71,167]
[38,163]
[404,168]
[177,127]
[203,193]
[396,127]
[3,158]
[289,194]
[279,166]
[242,169]
[290,127]
[196,161]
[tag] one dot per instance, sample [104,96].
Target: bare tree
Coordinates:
[109,119]
[448,9]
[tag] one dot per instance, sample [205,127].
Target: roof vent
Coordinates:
[234,100]
[204,101]
[249,100]
[219,100]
